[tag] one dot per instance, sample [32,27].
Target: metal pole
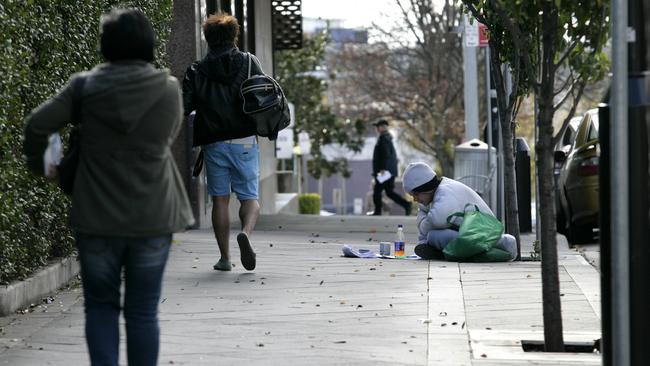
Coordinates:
[537,220]
[492,195]
[470,80]
[500,178]
[304,175]
[620,187]
[297,167]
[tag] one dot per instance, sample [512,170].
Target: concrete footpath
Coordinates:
[305,304]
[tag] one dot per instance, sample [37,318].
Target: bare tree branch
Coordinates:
[572,111]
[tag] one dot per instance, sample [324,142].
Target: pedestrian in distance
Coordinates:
[438,198]
[384,170]
[227,137]
[128,195]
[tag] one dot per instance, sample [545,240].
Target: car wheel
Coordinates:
[579,234]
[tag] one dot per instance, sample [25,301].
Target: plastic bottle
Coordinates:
[399,242]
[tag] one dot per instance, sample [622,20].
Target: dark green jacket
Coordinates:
[127,183]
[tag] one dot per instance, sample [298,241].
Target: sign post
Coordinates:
[470,42]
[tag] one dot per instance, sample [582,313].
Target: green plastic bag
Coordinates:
[477,234]
[492,255]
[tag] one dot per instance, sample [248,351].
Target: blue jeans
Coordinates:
[102,259]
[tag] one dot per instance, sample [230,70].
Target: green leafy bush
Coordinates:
[309,203]
[43,42]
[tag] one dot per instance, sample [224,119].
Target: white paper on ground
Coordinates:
[53,153]
[382,177]
[351,252]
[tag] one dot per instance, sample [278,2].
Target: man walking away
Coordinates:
[384,163]
[226,136]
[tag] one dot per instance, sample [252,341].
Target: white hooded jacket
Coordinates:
[450,197]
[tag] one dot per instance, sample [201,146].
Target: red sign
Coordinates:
[482,35]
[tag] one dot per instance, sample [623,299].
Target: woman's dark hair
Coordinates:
[126,34]
[221,30]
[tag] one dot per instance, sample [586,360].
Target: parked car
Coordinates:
[577,183]
[566,143]
[562,150]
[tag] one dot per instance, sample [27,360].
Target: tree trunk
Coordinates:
[510,180]
[507,134]
[443,155]
[446,162]
[553,337]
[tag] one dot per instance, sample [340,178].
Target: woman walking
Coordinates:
[128,195]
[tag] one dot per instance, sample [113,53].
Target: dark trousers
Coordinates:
[387,186]
[102,260]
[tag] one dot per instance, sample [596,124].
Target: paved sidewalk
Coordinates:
[306,305]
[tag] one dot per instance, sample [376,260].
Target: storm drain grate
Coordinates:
[569,347]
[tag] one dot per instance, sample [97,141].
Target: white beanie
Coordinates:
[417,174]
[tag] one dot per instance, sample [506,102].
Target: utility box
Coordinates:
[471,168]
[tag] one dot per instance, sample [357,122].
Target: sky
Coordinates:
[354,13]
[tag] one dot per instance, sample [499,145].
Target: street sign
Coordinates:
[304,143]
[470,32]
[284,144]
[483,40]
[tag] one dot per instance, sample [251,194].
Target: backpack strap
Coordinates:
[249,64]
[251,59]
[77,89]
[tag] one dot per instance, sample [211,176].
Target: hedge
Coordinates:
[309,203]
[43,42]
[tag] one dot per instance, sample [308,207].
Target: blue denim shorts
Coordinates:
[233,167]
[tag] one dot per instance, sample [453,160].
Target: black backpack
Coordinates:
[265,104]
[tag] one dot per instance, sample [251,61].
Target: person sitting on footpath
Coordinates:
[128,196]
[438,198]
